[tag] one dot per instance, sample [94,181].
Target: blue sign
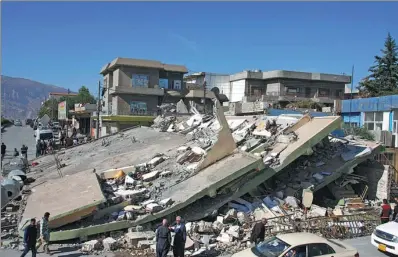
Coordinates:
[140,80]
[164,83]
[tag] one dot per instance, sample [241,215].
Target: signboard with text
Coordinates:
[140,80]
[62,111]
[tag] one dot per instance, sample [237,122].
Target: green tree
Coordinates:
[383,78]
[49,107]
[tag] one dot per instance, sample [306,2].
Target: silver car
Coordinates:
[18,123]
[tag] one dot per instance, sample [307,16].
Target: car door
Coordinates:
[296,251]
[321,250]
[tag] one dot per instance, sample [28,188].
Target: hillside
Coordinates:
[21,98]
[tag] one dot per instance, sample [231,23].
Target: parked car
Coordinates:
[17,123]
[299,245]
[385,237]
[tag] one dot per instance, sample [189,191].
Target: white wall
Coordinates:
[237,90]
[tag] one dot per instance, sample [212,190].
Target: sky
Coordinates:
[67,43]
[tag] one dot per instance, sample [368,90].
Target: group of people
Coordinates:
[163,238]
[24,151]
[36,235]
[44,147]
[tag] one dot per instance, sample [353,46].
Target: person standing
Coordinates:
[16,153]
[3,150]
[180,238]
[38,149]
[24,151]
[163,239]
[44,233]
[29,239]
[258,232]
[385,212]
[395,212]
[43,147]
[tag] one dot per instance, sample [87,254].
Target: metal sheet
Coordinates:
[18,173]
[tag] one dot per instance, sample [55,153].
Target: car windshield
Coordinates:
[272,247]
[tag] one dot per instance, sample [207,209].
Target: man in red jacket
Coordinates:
[385,212]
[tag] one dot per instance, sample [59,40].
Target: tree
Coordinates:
[383,78]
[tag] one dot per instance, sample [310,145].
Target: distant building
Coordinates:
[283,87]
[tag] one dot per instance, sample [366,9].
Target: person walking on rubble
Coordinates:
[29,238]
[179,238]
[44,233]
[24,151]
[163,240]
[385,212]
[258,232]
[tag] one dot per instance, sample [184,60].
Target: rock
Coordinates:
[242,217]
[91,246]
[150,176]
[109,244]
[142,167]
[198,151]
[183,149]
[165,173]
[132,208]
[205,227]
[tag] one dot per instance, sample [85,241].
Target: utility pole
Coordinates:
[351,95]
[98,109]
[204,94]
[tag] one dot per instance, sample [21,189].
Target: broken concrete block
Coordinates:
[224,238]
[155,161]
[153,207]
[230,216]
[183,157]
[91,246]
[150,176]
[198,151]
[166,202]
[183,149]
[205,227]
[165,173]
[145,203]
[144,244]
[233,231]
[109,244]
[242,217]
[217,226]
[142,167]
[220,219]
[134,237]
[132,208]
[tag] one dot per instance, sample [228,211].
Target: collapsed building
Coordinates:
[199,166]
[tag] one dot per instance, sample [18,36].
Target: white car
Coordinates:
[299,245]
[385,237]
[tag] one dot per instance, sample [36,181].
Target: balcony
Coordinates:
[138,91]
[383,136]
[292,97]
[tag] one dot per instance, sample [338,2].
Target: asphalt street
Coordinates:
[365,248]
[15,137]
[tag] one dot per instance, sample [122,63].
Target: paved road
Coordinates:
[14,137]
[365,248]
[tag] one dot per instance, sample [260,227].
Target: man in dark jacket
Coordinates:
[29,239]
[394,214]
[24,151]
[179,238]
[163,240]
[385,212]
[3,150]
[258,232]
[38,149]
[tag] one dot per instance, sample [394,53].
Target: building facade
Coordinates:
[136,87]
[283,87]
[380,116]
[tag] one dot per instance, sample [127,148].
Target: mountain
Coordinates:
[21,98]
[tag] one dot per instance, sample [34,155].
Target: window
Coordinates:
[272,247]
[140,80]
[299,251]
[339,93]
[292,90]
[138,108]
[319,250]
[373,120]
[323,92]
[177,84]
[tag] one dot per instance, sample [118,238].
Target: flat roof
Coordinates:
[119,61]
[299,75]
[64,196]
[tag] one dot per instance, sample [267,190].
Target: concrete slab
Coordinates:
[67,199]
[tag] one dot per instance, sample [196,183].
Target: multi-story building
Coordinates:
[135,88]
[380,116]
[284,87]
